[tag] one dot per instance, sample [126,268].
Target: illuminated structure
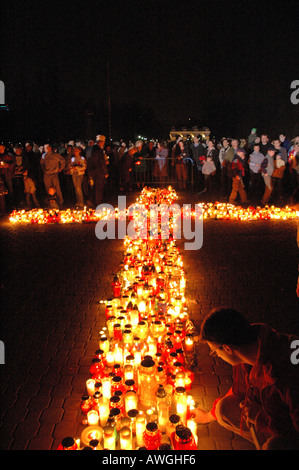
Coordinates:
[202,134]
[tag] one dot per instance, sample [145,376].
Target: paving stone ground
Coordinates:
[53,278]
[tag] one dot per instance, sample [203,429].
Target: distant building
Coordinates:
[185,133]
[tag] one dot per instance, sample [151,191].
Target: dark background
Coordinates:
[225,65]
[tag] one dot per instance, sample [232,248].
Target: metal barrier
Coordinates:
[178,173]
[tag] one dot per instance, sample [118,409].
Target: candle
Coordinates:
[106,387]
[192,425]
[163,415]
[110,359]
[131,401]
[109,438]
[92,417]
[125,439]
[181,408]
[91,432]
[140,428]
[189,344]
[128,372]
[90,387]
[104,410]
[118,355]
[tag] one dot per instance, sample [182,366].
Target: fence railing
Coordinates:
[179,173]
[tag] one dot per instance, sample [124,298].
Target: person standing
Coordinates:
[197,153]
[223,166]
[256,182]
[52,164]
[77,170]
[7,170]
[229,156]
[265,144]
[140,164]
[179,155]
[238,174]
[267,168]
[160,169]
[21,164]
[97,169]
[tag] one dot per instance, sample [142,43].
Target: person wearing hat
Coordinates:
[251,138]
[267,168]
[97,169]
[238,174]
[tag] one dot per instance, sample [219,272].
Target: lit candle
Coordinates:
[128,372]
[90,387]
[192,425]
[110,359]
[92,417]
[131,401]
[109,438]
[125,439]
[189,344]
[106,387]
[140,428]
[163,416]
[118,355]
[104,410]
[91,432]
[181,408]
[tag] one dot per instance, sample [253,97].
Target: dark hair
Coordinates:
[227,326]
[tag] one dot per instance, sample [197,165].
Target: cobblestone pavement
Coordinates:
[53,278]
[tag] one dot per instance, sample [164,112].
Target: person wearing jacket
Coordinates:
[140,164]
[77,169]
[97,169]
[197,152]
[179,154]
[256,182]
[267,168]
[238,174]
[277,175]
[52,163]
[263,403]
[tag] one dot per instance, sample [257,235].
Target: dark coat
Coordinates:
[96,163]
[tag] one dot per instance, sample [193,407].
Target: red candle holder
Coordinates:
[116,286]
[68,443]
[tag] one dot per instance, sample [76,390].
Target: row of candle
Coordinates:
[150,197]
[137,395]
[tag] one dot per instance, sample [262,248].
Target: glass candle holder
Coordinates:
[152,436]
[125,439]
[92,417]
[173,422]
[109,438]
[183,439]
[131,401]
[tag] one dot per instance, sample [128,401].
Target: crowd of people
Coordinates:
[256,170]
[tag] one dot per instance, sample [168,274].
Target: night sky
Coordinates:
[225,65]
